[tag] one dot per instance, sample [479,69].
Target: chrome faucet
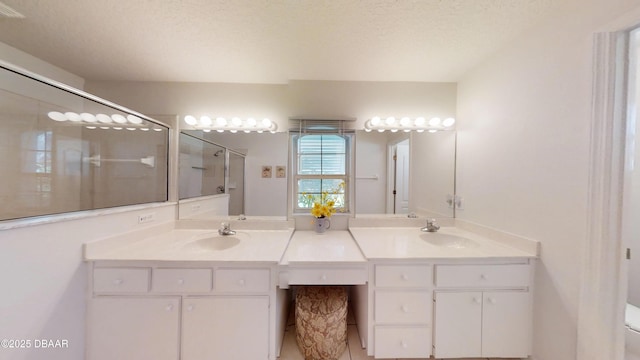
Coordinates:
[225,229]
[432,226]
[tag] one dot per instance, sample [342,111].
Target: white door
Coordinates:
[506,321]
[133,328]
[457,325]
[402,177]
[225,327]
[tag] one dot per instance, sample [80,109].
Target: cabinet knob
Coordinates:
[180,281]
[190,308]
[483,277]
[492,300]
[405,277]
[323,277]
[404,344]
[169,307]
[405,308]
[241,282]
[477,300]
[118,281]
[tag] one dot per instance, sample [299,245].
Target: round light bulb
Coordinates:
[251,122]
[221,121]
[190,120]
[449,122]
[390,121]
[72,116]
[103,118]
[419,121]
[119,118]
[134,119]
[434,121]
[57,116]
[266,123]
[205,121]
[236,122]
[405,121]
[88,117]
[375,121]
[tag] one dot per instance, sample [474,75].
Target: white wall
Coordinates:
[21,59]
[523,148]
[44,278]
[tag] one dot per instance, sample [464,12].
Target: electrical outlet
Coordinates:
[450,201]
[146,218]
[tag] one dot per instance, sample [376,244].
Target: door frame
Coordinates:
[603,290]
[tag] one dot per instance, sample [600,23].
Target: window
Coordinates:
[321,170]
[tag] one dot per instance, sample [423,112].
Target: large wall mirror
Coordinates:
[422,174]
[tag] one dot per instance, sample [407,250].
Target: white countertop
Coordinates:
[411,243]
[183,245]
[333,246]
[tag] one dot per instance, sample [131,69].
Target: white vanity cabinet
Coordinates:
[188,311]
[225,327]
[402,310]
[482,310]
[133,328]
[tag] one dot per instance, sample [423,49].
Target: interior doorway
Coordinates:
[398,182]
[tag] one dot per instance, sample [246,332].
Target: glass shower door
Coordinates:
[235,183]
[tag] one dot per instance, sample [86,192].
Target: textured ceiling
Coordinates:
[269,41]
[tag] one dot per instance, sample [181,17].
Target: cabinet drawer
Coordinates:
[403,307]
[181,280]
[514,275]
[333,276]
[242,280]
[404,275]
[402,342]
[121,280]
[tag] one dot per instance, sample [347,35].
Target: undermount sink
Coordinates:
[215,241]
[447,240]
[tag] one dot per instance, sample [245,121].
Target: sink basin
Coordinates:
[215,241]
[448,240]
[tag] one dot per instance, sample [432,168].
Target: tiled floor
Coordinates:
[354,349]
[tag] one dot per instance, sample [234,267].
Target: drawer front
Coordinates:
[333,276]
[404,275]
[181,280]
[121,280]
[402,342]
[403,307]
[514,275]
[242,280]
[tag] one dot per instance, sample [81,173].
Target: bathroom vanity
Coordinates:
[171,295]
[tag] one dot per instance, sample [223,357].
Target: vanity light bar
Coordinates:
[102,121]
[406,124]
[232,125]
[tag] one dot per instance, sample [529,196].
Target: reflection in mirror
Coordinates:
[263,195]
[424,178]
[420,167]
[235,183]
[200,168]
[65,151]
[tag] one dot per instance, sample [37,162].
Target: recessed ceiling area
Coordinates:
[269,41]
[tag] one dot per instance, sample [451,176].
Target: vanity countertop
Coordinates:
[333,246]
[447,243]
[176,244]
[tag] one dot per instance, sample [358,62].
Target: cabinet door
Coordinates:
[133,328]
[458,322]
[225,327]
[506,324]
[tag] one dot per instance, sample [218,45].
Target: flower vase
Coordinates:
[322,224]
